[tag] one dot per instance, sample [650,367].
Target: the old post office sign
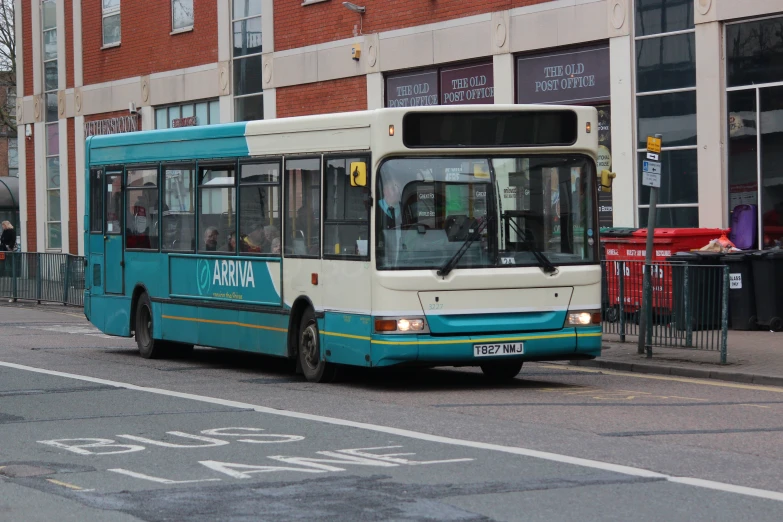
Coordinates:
[575,76]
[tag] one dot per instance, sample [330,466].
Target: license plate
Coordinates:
[488,350]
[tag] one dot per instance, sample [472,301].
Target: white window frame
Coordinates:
[235,59]
[106,13]
[184,28]
[637,217]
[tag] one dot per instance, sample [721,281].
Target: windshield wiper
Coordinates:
[449,265]
[543,262]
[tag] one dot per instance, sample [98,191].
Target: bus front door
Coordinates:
[113,262]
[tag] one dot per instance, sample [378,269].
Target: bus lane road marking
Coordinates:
[543,455]
[323,462]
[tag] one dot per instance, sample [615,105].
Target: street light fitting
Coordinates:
[355,8]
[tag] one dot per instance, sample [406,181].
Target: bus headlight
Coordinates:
[400,325]
[584,318]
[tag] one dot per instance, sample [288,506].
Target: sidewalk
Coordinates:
[753,357]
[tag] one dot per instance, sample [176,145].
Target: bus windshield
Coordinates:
[527,210]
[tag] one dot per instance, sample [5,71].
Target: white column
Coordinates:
[147,118]
[225,30]
[711,126]
[22,232]
[503,70]
[375,98]
[270,104]
[65,215]
[78,61]
[78,126]
[623,131]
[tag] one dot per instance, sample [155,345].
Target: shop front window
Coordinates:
[754,66]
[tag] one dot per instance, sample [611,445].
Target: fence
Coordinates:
[689,304]
[54,278]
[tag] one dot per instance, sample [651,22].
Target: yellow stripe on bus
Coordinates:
[349,336]
[373,341]
[509,339]
[228,323]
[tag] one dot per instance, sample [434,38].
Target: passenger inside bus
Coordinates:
[211,239]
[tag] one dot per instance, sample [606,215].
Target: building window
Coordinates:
[51,125]
[13,157]
[187,115]
[111,22]
[754,76]
[181,14]
[666,105]
[246,26]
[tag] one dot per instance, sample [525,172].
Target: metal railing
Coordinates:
[689,304]
[54,278]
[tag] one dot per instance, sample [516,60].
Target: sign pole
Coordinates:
[651,177]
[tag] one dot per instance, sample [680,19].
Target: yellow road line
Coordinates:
[687,380]
[227,323]
[64,484]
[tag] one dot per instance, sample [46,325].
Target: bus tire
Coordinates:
[315,369]
[149,347]
[503,371]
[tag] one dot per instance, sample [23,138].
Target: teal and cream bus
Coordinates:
[432,236]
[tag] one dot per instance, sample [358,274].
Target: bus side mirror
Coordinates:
[359,174]
[606,180]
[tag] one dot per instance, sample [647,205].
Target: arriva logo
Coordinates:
[224,273]
[233,273]
[203,274]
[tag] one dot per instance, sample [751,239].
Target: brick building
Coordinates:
[707,74]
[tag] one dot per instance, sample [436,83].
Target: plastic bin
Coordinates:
[623,246]
[617,231]
[703,300]
[768,286]
[742,301]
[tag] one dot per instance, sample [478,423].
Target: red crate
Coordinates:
[666,243]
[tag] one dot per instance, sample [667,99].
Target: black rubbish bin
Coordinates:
[742,301]
[703,300]
[768,285]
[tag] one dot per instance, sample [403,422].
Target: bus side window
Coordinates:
[179,218]
[303,207]
[217,209]
[347,211]
[142,213]
[259,208]
[96,201]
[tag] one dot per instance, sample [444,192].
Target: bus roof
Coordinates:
[325,132]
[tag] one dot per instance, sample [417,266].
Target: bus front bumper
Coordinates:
[459,350]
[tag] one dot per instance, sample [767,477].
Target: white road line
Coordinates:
[555,457]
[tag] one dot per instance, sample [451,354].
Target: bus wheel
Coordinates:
[315,369]
[503,371]
[149,348]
